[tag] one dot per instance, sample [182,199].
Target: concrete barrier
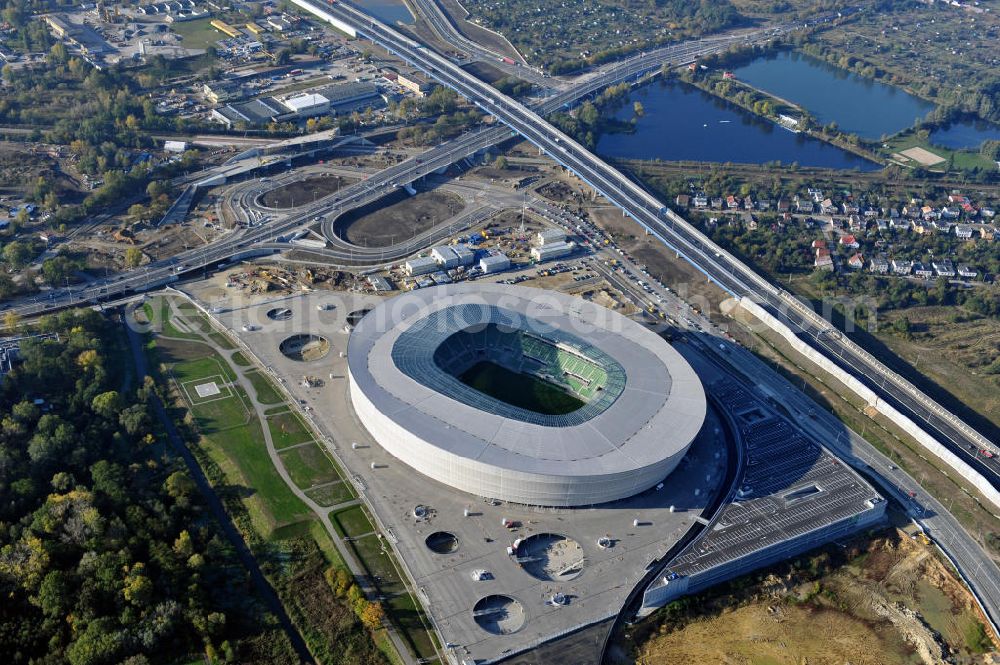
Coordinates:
[904,422]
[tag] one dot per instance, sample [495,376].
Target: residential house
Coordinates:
[882,224]
[700,201]
[987,213]
[819,244]
[987,232]
[911,211]
[682,200]
[823,260]
[929,213]
[764,204]
[879,265]
[803,206]
[854,223]
[967,271]
[850,208]
[950,212]
[857,261]
[920,270]
[943,268]
[748,203]
[958,198]
[716,203]
[901,267]
[732,202]
[827,207]
[784,205]
[849,241]
[963,232]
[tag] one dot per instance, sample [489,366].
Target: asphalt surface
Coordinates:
[720,266]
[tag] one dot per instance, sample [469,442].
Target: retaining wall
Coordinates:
[904,422]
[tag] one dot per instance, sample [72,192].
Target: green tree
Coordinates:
[17,254]
[133,257]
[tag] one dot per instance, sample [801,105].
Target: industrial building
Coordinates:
[254,112]
[550,236]
[307,104]
[301,105]
[420,266]
[552,250]
[494,263]
[641,404]
[414,81]
[80,35]
[453,256]
[345,94]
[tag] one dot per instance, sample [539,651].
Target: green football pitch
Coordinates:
[521,390]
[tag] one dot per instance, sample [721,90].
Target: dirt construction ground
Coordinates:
[397,216]
[895,604]
[303,191]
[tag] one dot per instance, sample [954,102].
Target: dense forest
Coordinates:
[107,554]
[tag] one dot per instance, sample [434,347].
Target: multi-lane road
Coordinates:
[517,118]
[266,238]
[720,266]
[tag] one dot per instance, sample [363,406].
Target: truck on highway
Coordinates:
[509,61]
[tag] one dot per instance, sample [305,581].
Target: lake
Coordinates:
[831,94]
[968,134]
[682,123]
[389,12]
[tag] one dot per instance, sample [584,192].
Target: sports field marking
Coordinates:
[923,156]
[207,389]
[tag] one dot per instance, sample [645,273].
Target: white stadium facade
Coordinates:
[617,411]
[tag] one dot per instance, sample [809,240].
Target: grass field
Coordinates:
[962,159]
[331,494]
[266,394]
[406,613]
[352,522]
[287,429]
[196,34]
[521,390]
[308,466]
[233,439]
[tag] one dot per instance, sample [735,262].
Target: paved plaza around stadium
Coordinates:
[641,528]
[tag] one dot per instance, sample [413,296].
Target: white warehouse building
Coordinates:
[550,236]
[551,251]
[420,266]
[452,256]
[494,263]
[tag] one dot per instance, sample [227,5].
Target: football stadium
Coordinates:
[523,395]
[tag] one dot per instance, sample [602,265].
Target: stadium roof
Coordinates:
[414,352]
[655,415]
